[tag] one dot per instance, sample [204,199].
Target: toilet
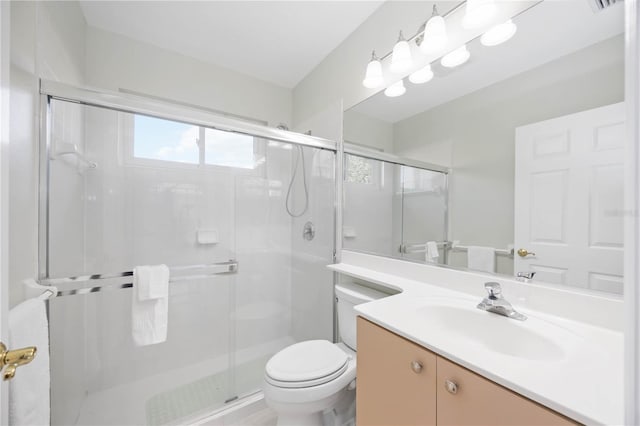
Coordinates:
[313,382]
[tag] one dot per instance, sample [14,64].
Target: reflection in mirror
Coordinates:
[406,205]
[531,134]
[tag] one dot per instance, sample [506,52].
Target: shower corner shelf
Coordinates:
[64,149]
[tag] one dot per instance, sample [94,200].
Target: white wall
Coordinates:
[116,62]
[362,129]
[475,135]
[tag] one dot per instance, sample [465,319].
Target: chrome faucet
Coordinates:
[525,276]
[495,303]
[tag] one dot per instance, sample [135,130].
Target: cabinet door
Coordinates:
[396,379]
[478,401]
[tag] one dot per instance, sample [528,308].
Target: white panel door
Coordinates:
[569,183]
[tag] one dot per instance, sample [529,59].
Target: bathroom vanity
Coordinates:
[423,388]
[427,355]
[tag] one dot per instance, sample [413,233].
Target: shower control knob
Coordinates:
[416,367]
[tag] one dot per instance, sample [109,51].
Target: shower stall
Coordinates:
[229,206]
[394,206]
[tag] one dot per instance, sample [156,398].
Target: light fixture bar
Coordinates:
[421,29]
[444,15]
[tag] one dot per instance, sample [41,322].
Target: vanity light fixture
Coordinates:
[456,57]
[422,75]
[478,13]
[434,38]
[373,77]
[401,56]
[499,34]
[396,89]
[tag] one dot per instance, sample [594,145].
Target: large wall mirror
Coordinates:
[510,163]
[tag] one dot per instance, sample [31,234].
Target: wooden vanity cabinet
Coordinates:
[396,379]
[475,400]
[390,392]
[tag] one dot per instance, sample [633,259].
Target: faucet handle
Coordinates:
[526,275]
[494,289]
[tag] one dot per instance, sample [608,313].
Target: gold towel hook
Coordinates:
[14,359]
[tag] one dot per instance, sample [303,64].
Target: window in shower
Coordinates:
[164,140]
[155,141]
[229,149]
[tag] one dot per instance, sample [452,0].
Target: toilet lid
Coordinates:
[309,363]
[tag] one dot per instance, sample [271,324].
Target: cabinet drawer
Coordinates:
[478,401]
[396,379]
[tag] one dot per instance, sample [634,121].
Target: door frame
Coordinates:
[632,217]
[5,66]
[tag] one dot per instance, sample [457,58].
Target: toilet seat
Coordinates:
[306,364]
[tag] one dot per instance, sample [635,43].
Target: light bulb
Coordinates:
[499,34]
[435,34]
[456,58]
[422,75]
[395,90]
[401,57]
[478,13]
[373,77]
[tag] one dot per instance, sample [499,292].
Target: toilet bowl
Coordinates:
[313,382]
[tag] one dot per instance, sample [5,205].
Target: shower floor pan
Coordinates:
[177,395]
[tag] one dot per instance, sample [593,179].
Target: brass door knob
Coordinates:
[524,253]
[416,367]
[451,386]
[14,359]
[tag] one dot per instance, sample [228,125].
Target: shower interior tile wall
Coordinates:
[369,210]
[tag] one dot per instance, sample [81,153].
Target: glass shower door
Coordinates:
[225,211]
[424,213]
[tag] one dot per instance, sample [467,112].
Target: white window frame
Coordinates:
[126,145]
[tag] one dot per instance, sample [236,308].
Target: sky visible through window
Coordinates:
[166,140]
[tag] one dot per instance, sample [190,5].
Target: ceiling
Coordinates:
[546,32]
[276,41]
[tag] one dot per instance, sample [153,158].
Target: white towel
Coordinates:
[29,389]
[150,304]
[151,282]
[481,258]
[431,252]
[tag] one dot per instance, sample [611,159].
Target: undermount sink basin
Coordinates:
[529,339]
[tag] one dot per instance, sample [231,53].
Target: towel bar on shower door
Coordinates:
[100,282]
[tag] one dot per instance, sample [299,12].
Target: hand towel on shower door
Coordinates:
[150,304]
[29,389]
[481,258]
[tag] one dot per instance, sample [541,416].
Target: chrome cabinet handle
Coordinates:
[416,367]
[451,386]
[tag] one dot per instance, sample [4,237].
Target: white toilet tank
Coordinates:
[349,295]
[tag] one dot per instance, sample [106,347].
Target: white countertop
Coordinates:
[584,382]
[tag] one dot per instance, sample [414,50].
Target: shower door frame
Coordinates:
[135,104]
